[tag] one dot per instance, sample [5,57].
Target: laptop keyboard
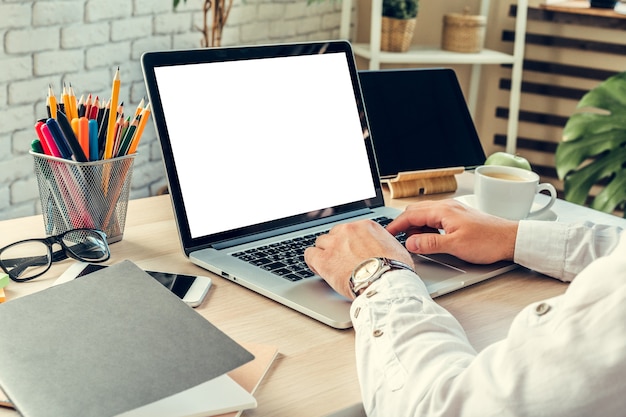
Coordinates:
[286,258]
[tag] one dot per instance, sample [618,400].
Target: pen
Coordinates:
[49,139]
[59,138]
[35,145]
[74,124]
[94,154]
[42,140]
[70,137]
[115,91]
[51,103]
[83,134]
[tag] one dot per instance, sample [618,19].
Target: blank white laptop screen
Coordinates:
[262,124]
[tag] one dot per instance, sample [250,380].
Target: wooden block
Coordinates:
[428,181]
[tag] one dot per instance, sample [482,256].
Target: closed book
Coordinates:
[110,342]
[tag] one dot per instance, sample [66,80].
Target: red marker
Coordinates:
[42,140]
[49,140]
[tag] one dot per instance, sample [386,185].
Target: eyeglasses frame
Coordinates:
[59,255]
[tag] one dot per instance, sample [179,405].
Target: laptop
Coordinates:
[419,120]
[266,147]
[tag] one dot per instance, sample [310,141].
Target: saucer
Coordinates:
[549,215]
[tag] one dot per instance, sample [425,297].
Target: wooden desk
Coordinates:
[315,372]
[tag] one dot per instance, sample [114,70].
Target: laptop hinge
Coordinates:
[284,230]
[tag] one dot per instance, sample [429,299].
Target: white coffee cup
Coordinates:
[509,192]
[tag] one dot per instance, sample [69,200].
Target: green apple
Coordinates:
[507,159]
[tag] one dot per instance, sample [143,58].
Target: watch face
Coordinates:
[366,270]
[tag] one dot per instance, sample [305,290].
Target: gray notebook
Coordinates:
[112,341]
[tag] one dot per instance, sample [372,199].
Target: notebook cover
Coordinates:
[110,342]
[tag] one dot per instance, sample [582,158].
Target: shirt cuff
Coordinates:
[393,284]
[542,246]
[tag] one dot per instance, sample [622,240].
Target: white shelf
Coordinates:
[423,54]
[419,54]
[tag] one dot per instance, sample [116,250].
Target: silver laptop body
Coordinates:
[267,143]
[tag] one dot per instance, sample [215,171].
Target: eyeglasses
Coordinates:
[30,258]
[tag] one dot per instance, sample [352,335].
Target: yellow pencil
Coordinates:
[73,106]
[145,114]
[139,108]
[67,108]
[51,103]
[110,138]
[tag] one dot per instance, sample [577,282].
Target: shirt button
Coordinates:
[542,309]
[356,312]
[371,293]
[377,333]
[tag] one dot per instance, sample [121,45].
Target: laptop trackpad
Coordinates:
[434,269]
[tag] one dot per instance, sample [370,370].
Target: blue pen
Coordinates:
[70,137]
[59,138]
[93,140]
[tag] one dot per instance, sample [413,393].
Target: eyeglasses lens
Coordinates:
[26,259]
[87,245]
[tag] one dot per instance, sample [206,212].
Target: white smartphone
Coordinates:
[190,288]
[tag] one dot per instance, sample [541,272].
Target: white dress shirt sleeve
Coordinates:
[562,250]
[562,357]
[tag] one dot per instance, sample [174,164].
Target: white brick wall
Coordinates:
[83,41]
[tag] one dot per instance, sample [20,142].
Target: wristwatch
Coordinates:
[371,270]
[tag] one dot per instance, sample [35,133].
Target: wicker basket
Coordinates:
[397,34]
[463,32]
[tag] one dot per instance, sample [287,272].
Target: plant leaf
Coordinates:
[177,2]
[400,9]
[571,153]
[613,194]
[578,183]
[594,146]
[609,95]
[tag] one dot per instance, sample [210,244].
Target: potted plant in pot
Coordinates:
[593,150]
[398,24]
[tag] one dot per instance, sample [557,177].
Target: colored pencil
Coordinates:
[115,93]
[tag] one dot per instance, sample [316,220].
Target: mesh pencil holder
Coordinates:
[84,194]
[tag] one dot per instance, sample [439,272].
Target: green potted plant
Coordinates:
[593,150]
[398,25]
[400,9]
